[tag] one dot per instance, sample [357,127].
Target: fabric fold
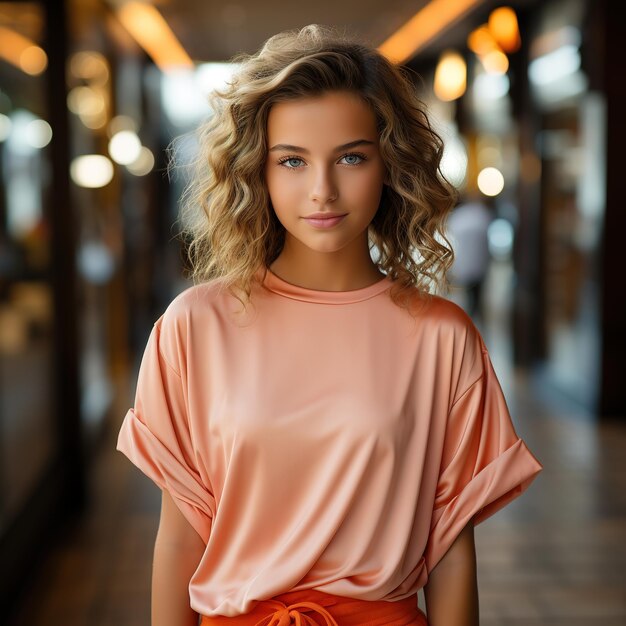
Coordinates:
[156,434]
[503,480]
[485,464]
[159,464]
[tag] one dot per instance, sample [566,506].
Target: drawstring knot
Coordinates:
[287,615]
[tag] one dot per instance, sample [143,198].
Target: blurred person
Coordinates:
[325,431]
[467,229]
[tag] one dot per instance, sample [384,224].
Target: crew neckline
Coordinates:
[278,285]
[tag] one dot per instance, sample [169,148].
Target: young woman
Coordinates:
[326,431]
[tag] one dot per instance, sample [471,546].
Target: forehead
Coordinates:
[331,116]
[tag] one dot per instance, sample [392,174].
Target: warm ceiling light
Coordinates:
[33,60]
[504,28]
[22,52]
[90,66]
[423,27]
[85,101]
[90,104]
[495,62]
[152,33]
[481,41]
[450,76]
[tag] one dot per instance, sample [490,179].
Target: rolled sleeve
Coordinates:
[485,464]
[155,436]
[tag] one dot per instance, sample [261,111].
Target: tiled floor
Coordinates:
[556,556]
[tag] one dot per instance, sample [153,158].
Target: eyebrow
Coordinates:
[350,144]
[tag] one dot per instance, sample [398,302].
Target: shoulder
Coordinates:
[467,347]
[186,312]
[453,322]
[192,301]
[440,315]
[446,310]
[449,332]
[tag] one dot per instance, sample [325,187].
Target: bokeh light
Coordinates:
[125,147]
[490,181]
[33,60]
[91,171]
[450,76]
[38,133]
[143,164]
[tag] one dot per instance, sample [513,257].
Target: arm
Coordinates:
[451,592]
[177,551]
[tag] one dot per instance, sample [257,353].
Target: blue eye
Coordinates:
[354,155]
[287,159]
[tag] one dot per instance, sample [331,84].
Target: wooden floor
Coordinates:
[555,556]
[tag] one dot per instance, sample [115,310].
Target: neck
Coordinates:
[327,276]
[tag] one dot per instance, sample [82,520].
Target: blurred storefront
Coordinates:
[529,124]
[84,216]
[29,441]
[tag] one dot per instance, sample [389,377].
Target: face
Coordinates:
[323,157]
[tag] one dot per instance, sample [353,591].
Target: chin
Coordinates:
[321,246]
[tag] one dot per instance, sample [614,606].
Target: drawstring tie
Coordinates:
[286,615]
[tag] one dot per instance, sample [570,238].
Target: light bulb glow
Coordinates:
[90,66]
[38,133]
[554,65]
[149,28]
[490,181]
[481,41]
[143,164]
[91,171]
[33,60]
[504,28]
[85,101]
[450,76]
[124,147]
[495,62]
[490,86]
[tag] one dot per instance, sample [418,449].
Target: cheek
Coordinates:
[369,188]
[283,187]
[281,194]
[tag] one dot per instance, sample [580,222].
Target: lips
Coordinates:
[324,216]
[324,222]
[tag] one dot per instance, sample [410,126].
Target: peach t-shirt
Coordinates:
[324,440]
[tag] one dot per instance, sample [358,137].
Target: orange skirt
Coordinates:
[310,607]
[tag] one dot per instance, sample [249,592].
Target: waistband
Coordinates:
[310,607]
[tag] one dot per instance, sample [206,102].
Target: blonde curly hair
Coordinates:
[230,227]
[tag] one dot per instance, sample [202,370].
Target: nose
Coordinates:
[323,187]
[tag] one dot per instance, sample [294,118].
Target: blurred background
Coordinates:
[529,99]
